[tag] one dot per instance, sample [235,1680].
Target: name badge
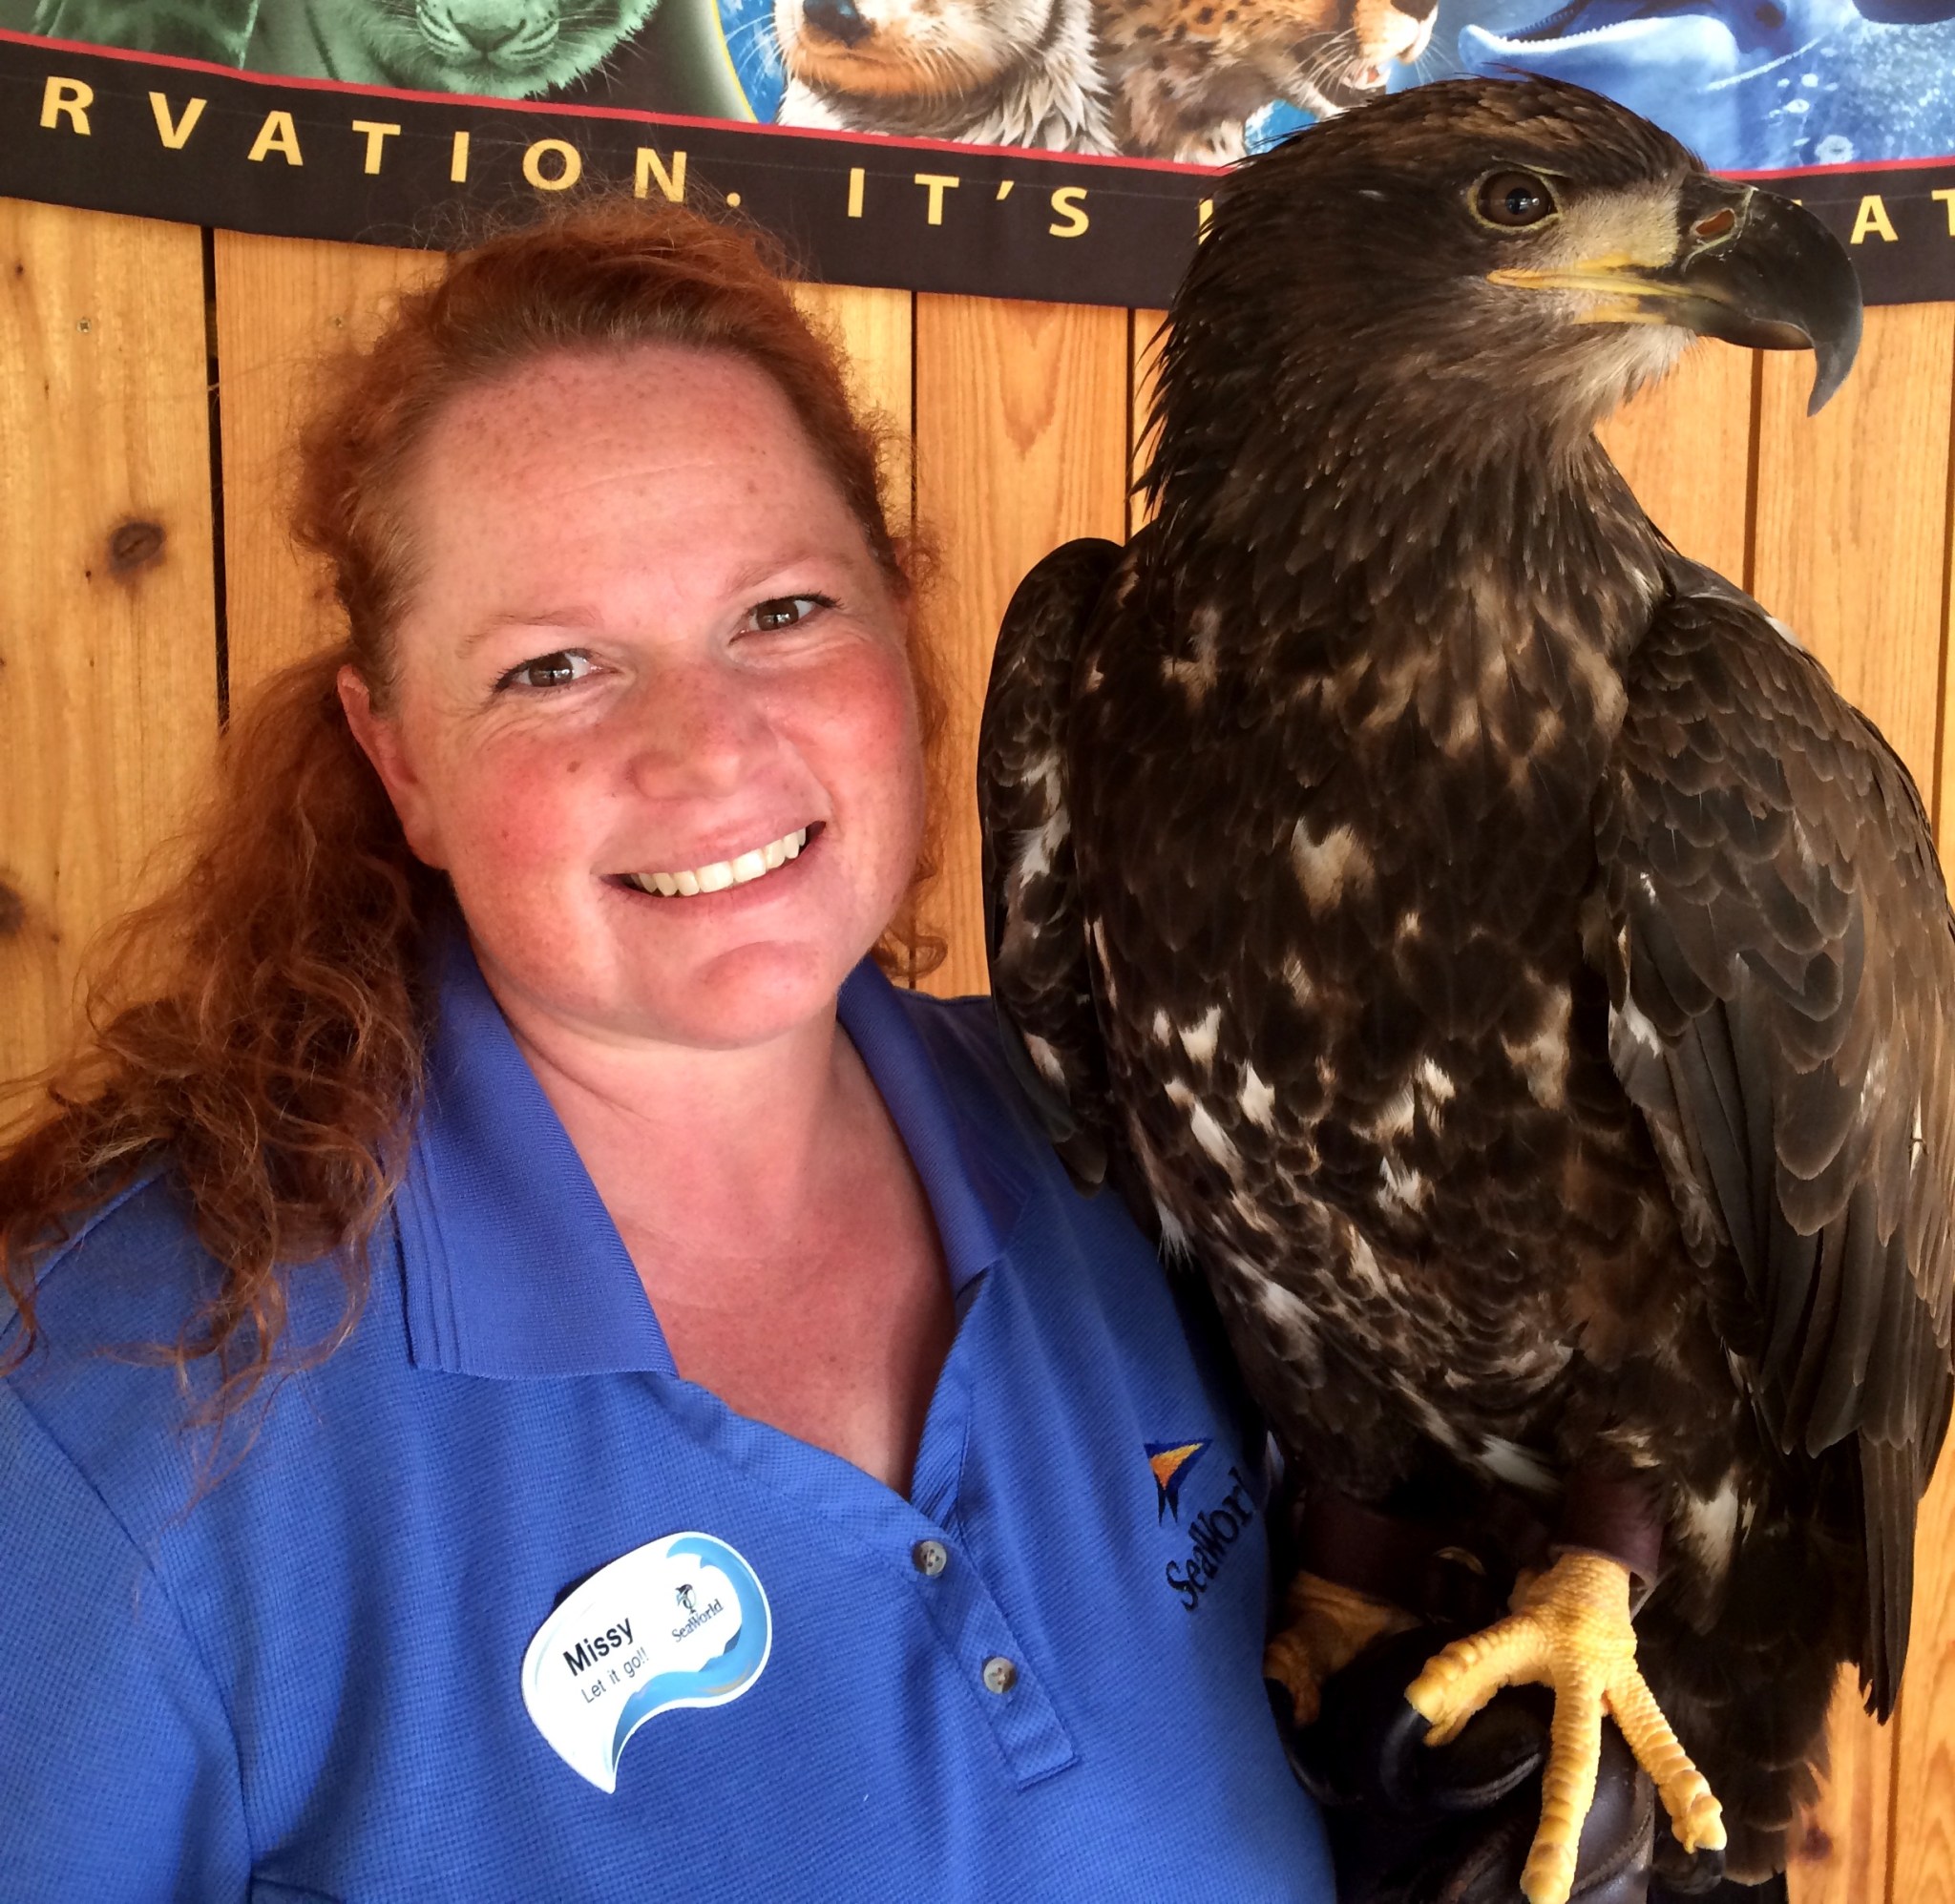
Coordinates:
[677,1622]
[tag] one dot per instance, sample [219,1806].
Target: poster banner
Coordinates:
[1051,148]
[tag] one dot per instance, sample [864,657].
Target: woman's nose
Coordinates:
[700,726]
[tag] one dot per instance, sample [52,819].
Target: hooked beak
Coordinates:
[1753,269]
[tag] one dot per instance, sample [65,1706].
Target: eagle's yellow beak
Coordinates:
[1752,268]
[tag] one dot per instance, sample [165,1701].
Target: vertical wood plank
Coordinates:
[1022,415]
[876,328]
[1685,446]
[107,666]
[1850,551]
[1943,795]
[1853,519]
[1842,1854]
[1149,338]
[1924,1849]
[282,306]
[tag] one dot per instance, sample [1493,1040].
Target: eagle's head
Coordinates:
[1500,252]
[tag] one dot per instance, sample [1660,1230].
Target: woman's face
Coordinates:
[648,647]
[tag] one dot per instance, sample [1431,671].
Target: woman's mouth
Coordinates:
[741,870]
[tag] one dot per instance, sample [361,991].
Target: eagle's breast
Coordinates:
[1339,876]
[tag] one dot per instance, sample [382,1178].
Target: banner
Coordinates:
[1050,149]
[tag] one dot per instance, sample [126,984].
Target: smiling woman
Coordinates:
[604,1307]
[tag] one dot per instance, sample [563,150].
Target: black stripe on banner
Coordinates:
[303,159]
[120,132]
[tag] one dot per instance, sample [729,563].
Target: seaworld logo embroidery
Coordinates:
[1172,1463]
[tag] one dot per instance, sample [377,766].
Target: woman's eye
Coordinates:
[557,669]
[787,610]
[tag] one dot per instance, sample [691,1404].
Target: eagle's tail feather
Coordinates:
[1749,1696]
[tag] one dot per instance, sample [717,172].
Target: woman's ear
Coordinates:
[383,742]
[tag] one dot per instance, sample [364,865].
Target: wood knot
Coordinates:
[134,545]
[12,912]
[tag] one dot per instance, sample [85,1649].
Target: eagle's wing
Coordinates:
[1034,928]
[1777,936]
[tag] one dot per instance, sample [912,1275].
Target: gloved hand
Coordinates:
[1414,1824]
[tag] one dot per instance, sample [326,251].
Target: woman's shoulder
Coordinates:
[92,1412]
[964,1039]
[129,1268]
[115,1301]
[964,1027]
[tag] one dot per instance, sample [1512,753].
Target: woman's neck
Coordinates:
[686,1143]
[775,1221]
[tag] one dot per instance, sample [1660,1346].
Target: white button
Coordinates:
[930,1558]
[1000,1674]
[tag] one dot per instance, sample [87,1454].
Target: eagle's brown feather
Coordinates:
[1512,967]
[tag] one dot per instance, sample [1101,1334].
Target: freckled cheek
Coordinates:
[866,745]
[889,803]
[522,817]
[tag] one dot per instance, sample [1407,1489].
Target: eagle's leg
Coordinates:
[1570,1630]
[1328,1627]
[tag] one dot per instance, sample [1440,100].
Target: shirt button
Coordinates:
[1000,1674]
[930,1558]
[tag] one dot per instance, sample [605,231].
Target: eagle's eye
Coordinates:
[1513,199]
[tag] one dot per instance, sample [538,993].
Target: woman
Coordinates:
[640,1408]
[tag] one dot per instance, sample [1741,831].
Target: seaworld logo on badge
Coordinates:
[677,1622]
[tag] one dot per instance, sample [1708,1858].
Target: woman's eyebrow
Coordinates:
[774,567]
[576,619]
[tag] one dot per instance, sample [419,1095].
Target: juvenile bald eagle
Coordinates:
[1518,976]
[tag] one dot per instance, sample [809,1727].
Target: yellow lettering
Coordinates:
[1873,218]
[1069,201]
[377,134]
[567,157]
[650,166]
[277,135]
[1946,195]
[1205,212]
[855,176]
[68,96]
[937,184]
[459,158]
[175,132]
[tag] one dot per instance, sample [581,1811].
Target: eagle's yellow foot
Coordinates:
[1328,1626]
[1570,1630]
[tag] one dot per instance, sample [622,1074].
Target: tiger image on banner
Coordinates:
[497,49]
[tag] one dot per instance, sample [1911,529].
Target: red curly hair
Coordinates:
[273,1046]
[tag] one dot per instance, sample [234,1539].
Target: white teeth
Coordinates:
[755,864]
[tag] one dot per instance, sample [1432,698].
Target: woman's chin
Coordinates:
[751,995]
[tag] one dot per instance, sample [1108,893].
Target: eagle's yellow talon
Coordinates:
[1570,1630]
[1329,1625]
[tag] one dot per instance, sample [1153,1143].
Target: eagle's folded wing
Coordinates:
[1034,930]
[1776,933]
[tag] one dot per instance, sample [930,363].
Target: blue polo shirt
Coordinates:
[1037,1676]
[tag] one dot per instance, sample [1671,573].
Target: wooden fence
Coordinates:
[146,369]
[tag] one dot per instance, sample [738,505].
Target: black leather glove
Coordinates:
[1414,1824]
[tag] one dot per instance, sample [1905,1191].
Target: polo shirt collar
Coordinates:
[511,1263]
